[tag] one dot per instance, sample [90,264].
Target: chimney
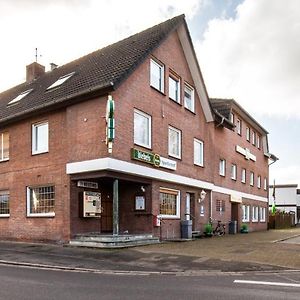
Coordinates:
[53,66]
[33,71]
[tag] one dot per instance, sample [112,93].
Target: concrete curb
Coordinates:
[141,273]
[286,238]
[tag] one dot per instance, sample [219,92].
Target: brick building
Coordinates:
[127,133]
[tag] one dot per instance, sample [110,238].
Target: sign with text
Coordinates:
[153,159]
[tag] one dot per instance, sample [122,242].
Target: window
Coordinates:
[169,203]
[4,203]
[4,146]
[60,81]
[251,178]
[253,138]
[254,213]
[243,179]
[246,213]
[220,206]
[174,142]
[198,152]
[262,214]
[239,126]
[231,117]
[233,172]
[265,183]
[40,201]
[174,89]
[19,97]
[248,134]
[189,101]
[142,129]
[259,181]
[222,166]
[40,137]
[258,141]
[157,75]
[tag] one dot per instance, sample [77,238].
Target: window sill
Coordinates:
[49,215]
[161,92]
[37,153]
[143,146]
[4,160]
[192,112]
[254,221]
[171,217]
[5,216]
[198,165]
[174,101]
[176,157]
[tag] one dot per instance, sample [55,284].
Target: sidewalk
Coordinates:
[256,247]
[231,253]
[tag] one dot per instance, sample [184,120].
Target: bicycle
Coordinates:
[220,229]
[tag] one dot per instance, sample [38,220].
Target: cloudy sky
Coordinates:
[247,49]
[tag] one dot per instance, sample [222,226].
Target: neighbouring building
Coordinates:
[287,199]
[123,138]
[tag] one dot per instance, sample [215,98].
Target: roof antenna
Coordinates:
[36,55]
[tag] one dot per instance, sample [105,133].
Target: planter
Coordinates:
[244,231]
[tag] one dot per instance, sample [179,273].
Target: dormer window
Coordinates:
[60,81]
[19,97]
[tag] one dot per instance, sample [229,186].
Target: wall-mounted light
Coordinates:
[202,196]
[142,189]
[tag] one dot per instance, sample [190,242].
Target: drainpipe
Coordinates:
[210,205]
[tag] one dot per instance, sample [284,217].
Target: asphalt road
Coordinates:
[33,283]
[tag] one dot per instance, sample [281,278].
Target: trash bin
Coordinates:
[232,227]
[186,229]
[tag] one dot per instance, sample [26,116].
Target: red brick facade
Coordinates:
[77,134]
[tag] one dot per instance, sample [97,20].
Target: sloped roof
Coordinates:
[225,106]
[103,69]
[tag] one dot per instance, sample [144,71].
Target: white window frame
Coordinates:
[161,80]
[179,142]
[246,213]
[29,214]
[34,137]
[20,97]
[248,134]
[252,178]
[2,147]
[238,126]
[3,193]
[198,156]
[253,138]
[233,171]
[231,117]
[176,80]
[192,92]
[149,118]
[60,81]
[265,183]
[259,181]
[258,141]
[254,213]
[177,216]
[222,167]
[243,174]
[262,214]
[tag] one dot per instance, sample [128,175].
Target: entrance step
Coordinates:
[96,240]
[196,234]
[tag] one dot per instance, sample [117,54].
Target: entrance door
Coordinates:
[235,212]
[107,213]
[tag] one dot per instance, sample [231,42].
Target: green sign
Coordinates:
[147,157]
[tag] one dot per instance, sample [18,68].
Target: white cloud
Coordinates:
[254,58]
[65,30]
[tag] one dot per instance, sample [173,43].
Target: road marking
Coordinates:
[268,283]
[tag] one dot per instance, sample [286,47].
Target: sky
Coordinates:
[247,50]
